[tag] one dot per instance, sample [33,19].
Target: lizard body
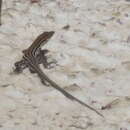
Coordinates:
[30,60]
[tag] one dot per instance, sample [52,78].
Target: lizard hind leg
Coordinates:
[20,66]
[33,72]
[45,83]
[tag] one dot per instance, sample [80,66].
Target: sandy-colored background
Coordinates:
[93,58]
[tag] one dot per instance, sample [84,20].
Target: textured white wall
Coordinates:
[94,64]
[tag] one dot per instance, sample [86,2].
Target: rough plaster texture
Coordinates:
[93,57]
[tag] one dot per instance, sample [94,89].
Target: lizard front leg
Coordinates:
[43,59]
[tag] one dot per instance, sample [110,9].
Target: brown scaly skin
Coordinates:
[30,60]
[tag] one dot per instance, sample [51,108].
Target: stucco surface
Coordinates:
[93,64]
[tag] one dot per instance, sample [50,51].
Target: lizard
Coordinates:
[30,60]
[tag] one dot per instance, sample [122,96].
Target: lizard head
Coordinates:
[48,35]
